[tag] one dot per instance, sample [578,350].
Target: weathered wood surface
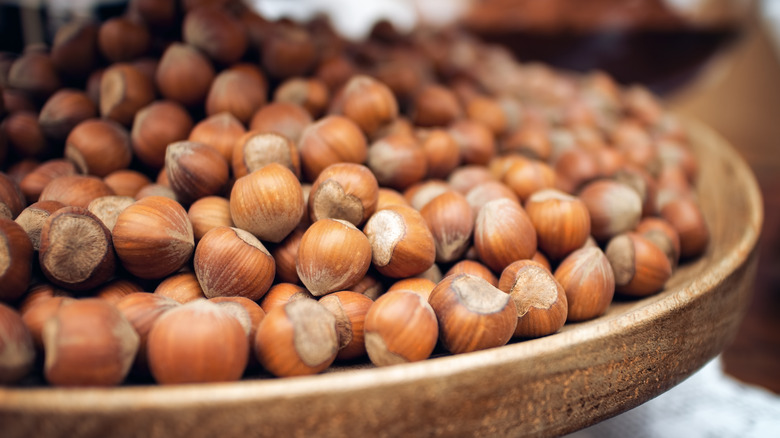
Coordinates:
[584,374]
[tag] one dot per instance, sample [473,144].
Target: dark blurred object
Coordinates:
[639,41]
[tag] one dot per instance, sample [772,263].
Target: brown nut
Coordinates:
[369,286]
[436,105]
[153,237]
[126,182]
[472,314]
[574,168]
[345,191]
[123,91]
[240,90]
[288,51]
[473,268]
[476,143]
[283,293]
[195,170]
[184,74]
[116,289]
[123,39]
[686,217]
[216,33]
[613,206]
[465,178]
[529,176]
[562,222]
[99,147]
[332,255]
[488,191]
[387,197]
[451,222]
[268,202]
[254,150]
[400,327]
[34,74]
[232,262]
[157,125]
[253,310]
[197,342]
[589,282]
[75,190]
[489,112]
[17,352]
[420,194]
[16,253]
[441,152]
[24,134]
[298,338]
[34,182]
[220,131]
[503,233]
[88,343]
[397,160]
[310,93]
[63,111]
[367,102]
[332,139]
[640,267]
[182,288]
[401,243]
[350,309]
[287,119]
[76,251]
[74,49]
[285,255]
[34,216]
[207,213]
[541,301]
[420,286]
[663,235]
[11,195]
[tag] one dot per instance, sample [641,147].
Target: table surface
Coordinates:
[742,102]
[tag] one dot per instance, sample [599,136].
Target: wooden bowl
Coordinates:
[584,374]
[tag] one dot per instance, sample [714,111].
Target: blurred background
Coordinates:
[713,60]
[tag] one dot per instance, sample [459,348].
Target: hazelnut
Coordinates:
[436,105]
[76,190]
[268,202]
[345,191]
[156,190]
[116,289]
[332,255]
[153,237]
[17,100]
[487,191]
[613,206]
[126,182]
[367,102]
[24,134]
[285,256]
[108,208]
[451,222]
[74,49]
[473,268]
[254,312]
[240,90]
[288,51]
[663,235]
[350,309]
[182,287]
[287,119]
[16,254]
[197,342]
[542,259]
[195,170]
[369,286]
[421,286]
[528,176]
[418,195]
[155,13]
[123,39]
[503,233]
[397,160]
[11,195]
[400,327]
[587,277]
[335,71]
[207,213]
[640,267]
[33,73]
[255,149]
[488,111]
[476,143]
[441,152]
[184,74]
[465,178]
[88,343]
[310,93]
[472,314]
[216,33]
[643,183]
[41,303]
[575,168]
[387,197]
[401,243]
[220,131]
[64,110]
[332,139]
[33,217]
[531,140]
[562,222]
[17,353]
[123,91]
[99,147]
[34,182]
[76,251]
[142,310]
[297,338]
[634,142]
[541,301]
[232,262]
[155,127]
[283,293]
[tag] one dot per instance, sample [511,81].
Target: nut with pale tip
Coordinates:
[541,302]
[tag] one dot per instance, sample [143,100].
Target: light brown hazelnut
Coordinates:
[153,237]
[400,327]
[663,235]
[401,243]
[350,309]
[116,289]
[476,143]
[184,74]
[436,105]
[215,32]
[613,206]
[34,182]
[332,255]
[240,90]
[17,353]
[142,310]
[465,178]
[562,222]
[88,343]
[76,190]
[331,140]
[487,191]
[197,342]
[367,102]
[155,127]
[488,111]
[285,118]
[686,217]
[288,51]
[528,176]
[575,168]
[397,160]
[220,131]
[531,140]
[126,182]
[589,282]
[345,191]
[34,216]
[285,255]
[207,213]
[34,74]
[255,149]
[24,134]
[123,39]
[503,233]
[541,301]
[387,197]
[283,293]
[64,110]
[11,195]
[123,91]
[418,195]
[195,170]
[108,208]
[74,49]
[451,222]
[441,152]
[310,93]
[474,268]
[182,287]
[640,267]
[420,286]
[99,147]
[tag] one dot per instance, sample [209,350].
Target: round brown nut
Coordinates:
[541,302]
[589,282]
[401,243]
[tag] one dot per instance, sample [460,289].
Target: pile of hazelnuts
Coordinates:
[193,193]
